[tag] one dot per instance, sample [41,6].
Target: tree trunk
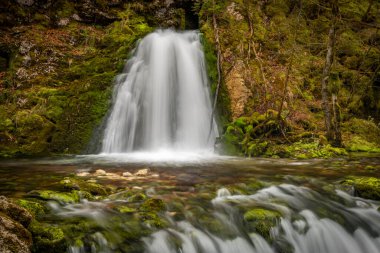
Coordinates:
[324,82]
[331,109]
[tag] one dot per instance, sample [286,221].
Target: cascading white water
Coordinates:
[162,100]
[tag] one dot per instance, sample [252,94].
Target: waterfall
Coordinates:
[162,99]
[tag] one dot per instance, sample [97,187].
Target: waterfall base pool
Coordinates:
[205,204]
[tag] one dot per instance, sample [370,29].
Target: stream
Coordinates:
[210,204]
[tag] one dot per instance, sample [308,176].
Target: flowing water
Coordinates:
[206,201]
[162,100]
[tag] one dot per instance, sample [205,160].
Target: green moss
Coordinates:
[153,220]
[126,209]
[78,184]
[305,150]
[153,205]
[47,238]
[64,197]
[365,187]
[358,144]
[262,220]
[34,207]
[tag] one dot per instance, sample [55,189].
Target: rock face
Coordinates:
[14,237]
[238,92]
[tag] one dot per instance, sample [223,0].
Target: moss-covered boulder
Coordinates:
[85,186]
[47,238]
[15,212]
[364,187]
[63,197]
[14,237]
[261,220]
[153,205]
[35,207]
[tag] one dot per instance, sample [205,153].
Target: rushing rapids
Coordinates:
[162,100]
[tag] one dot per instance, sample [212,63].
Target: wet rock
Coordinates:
[34,207]
[127,174]
[47,238]
[364,187]
[142,172]
[100,172]
[63,197]
[15,212]
[83,174]
[13,236]
[153,205]
[86,186]
[261,220]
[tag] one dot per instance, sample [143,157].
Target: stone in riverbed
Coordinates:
[142,172]
[15,212]
[47,238]
[364,187]
[127,174]
[13,236]
[100,172]
[262,220]
[13,222]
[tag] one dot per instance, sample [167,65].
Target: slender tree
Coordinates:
[332,130]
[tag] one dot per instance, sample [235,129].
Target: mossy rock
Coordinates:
[365,187]
[138,197]
[153,220]
[78,184]
[47,238]
[153,205]
[15,212]
[126,209]
[63,197]
[262,220]
[33,206]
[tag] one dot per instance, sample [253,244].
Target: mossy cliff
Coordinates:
[58,60]
[272,57]
[57,64]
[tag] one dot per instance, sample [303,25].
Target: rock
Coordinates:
[63,197]
[153,205]
[142,172]
[47,238]
[86,186]
[127,174]
[34,207]
[83,174]
[261,220]
[100,172]
[13,236]
[364,187]
[15,212]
